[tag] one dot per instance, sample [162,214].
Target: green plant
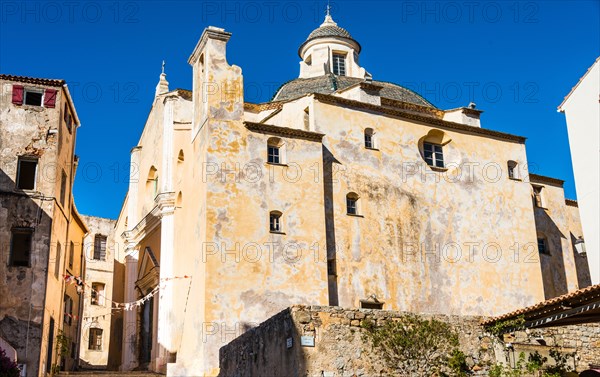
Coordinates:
[63,343]
[560,362]
[501,327]
[8,368]
[535,362]
[458,363]
[415,346]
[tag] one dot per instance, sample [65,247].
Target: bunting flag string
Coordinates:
[117,306]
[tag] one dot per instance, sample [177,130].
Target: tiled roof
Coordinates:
[571,202]
[545,179]
[336,100]
[329,31]
[330,83]
[284,131]
[568,299]
[32,80]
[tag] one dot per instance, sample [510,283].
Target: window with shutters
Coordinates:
[57,260]
[95,339]
[97,294]
[33,97]
[68,310]
[71,254]
[100,247]
[63,189]
[20,247]
[26,173]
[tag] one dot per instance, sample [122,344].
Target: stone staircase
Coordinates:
[105,373]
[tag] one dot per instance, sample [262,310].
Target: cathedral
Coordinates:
[342,190]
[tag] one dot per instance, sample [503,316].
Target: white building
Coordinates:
[582,110]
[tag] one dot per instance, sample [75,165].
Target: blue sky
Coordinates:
[515,59]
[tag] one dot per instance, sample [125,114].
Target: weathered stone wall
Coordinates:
[340,349]
[583,339]
[31,295]
[97,271]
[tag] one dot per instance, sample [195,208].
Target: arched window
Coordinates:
[538,196]
[433,148]
[352,203]
[275,151]
[179,201]
[275,225]
[370,139]
[152,183]
[513,172]
[180,156]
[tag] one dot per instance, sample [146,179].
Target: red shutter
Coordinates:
[50,98]
[17,94]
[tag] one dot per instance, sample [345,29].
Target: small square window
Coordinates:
[273,155]
[20,247]
[26,173]
[33,97]
[368,141]
[542,246]
[371,305]
[433,155]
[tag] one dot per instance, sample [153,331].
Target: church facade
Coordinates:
[342,190]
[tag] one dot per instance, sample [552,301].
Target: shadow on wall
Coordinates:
[116,327]
[552,263]
[271,349]
[584,278]
[328,161]
[25,230]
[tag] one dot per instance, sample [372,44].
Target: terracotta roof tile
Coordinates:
[575,295]
[33,80]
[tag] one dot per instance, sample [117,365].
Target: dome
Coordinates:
[329,29]
[330,83]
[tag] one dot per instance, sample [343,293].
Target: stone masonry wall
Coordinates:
[340,348]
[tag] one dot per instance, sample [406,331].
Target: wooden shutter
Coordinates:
[50,98]
[17,94]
